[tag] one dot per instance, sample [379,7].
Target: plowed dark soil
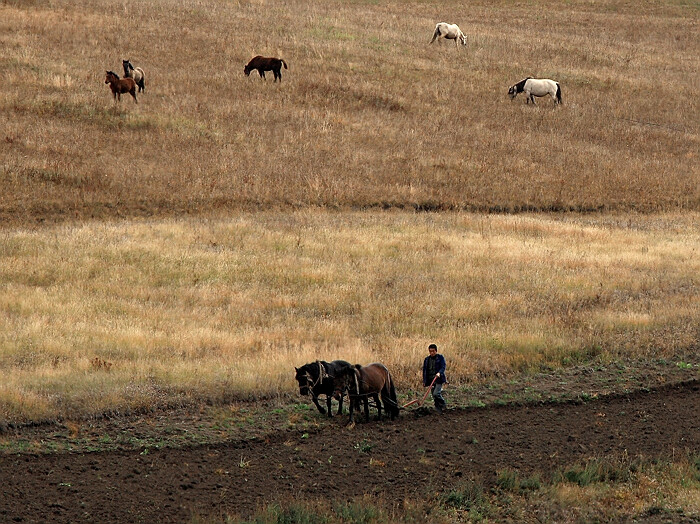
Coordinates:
[419,453]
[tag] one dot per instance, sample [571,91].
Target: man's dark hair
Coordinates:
[432,346]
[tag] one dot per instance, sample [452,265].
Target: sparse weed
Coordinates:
[364,446]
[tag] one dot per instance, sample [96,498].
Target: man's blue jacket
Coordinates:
[439,368]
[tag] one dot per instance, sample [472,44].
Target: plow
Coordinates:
[420,401]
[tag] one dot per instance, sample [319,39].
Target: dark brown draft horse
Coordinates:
[363,382]
[120,85]
[263,63]
[318,378]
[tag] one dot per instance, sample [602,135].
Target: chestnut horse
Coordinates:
[362,382]
[120,85]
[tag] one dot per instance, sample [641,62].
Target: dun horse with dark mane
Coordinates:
[362,382]
[262,64]
[136,73]
[120,85]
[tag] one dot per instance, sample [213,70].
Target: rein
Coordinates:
[322,373]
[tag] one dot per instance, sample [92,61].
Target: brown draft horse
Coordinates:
[263,63]
[120,85]
[362,382]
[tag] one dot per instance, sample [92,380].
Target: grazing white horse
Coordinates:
[533,87]
[449,32]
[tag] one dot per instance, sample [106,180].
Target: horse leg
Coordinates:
[133,93]
[262,73]
[352,408]
[314,398]
[379,406]
[328,405]
[340,403]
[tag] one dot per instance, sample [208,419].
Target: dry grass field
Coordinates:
[368,115]
[129,315]
[113,313]
[98,315]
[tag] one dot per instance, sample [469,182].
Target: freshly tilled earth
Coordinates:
[418,454]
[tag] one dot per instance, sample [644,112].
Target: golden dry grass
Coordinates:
[128,314]
[122,315]
[368,115]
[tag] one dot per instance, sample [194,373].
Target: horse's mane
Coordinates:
[520,85]
[113,73]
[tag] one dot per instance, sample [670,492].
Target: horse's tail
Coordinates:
[391,403]
[558,93]
[284,63]
[435,34]
[142,78]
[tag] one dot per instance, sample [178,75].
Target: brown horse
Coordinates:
[363,382]
[262,64]
[120,85]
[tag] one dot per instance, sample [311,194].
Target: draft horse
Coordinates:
[363,382]
[319,378]
[533,87]
[120,86]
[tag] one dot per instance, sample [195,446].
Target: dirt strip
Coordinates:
[414,455]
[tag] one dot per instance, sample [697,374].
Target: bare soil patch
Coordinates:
[420,454]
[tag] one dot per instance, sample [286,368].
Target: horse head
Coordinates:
[304,378]
[111,77]
[346,380]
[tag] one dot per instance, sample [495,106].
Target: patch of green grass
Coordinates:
[295,514]
[357,513]
[468,496]
[510,480]
[598,470]
[329,32]
[364,446]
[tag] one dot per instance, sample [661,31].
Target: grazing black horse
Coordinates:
[362,382]
[264,63]
[318,378]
